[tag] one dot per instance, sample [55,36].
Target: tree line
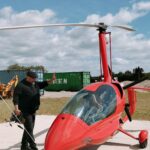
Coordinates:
[134,75]
[21,67]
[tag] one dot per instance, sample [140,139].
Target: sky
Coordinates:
[73,48]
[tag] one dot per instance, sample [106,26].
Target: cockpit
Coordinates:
[92,107]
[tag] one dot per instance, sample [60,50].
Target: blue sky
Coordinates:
[78,10]
[68,8]
[127,50]
[73,11]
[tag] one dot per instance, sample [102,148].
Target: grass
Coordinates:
[49,106]
[143,106]
[52,106]
[4,111]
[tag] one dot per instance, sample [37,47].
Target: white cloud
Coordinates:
[141,6]
[121,61]
[125,15]
[71,49]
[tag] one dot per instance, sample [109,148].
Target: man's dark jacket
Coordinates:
[27,95]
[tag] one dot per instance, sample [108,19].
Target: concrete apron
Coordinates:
[10,137]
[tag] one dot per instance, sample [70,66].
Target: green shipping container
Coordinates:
[68,81]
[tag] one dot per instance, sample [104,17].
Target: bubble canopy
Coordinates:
[92,107]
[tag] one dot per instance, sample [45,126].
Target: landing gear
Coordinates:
[143,144]
[143,139]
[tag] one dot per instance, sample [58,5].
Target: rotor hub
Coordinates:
[102,27]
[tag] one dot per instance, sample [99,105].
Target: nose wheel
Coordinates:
[143,139]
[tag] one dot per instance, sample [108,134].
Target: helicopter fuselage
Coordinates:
[91,117]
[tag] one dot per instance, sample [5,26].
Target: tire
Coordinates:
[144,144]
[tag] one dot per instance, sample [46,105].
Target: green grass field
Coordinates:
[52,106]
[143,106]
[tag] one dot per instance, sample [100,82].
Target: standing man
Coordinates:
[26,100]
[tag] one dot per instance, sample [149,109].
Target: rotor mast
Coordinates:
[103,52]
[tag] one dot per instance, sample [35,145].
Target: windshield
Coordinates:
[92,106]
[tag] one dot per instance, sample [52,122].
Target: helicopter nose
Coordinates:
[66,133]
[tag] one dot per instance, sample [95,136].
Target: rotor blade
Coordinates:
[99,25]
[123,27]
[50,25]
[134,83]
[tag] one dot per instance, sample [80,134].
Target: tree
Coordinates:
[120,76]
[128,75]
[138,73]
[19,67]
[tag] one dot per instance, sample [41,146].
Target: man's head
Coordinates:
[31,76]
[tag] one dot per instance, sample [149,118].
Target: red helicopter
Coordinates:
[94,114]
